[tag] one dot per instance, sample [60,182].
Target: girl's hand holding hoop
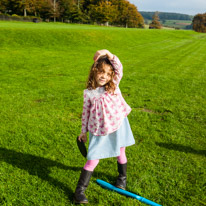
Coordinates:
[83,137]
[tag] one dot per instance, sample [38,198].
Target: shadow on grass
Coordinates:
[39,167]
[181,148]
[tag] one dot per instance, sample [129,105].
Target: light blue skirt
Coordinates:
[101,147]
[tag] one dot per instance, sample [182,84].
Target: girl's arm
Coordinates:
[118,69]
[115,63]
[85,113]
[101,53]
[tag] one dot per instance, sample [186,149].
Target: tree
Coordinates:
[199,23]
[101,12]
[14,6]
[155,24]
[28,6]
[46,10]
[3,6]
[76,15]
[127,14]
[38,4]
[115,12]
[55,12]
[65,9]
[135,19]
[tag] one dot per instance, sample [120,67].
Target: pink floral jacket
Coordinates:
[104,112]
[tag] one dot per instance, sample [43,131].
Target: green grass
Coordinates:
[44,68]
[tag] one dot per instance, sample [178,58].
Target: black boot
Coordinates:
[79,196]
[121,179]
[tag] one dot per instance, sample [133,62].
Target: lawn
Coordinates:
[44,68]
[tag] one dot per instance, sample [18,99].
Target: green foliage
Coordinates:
[112,12]
[44,68]
[129,16]
[15,17]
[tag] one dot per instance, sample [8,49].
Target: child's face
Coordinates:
[104,76]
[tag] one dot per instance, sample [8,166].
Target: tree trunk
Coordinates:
[54,10]
[78,4]
[25,14]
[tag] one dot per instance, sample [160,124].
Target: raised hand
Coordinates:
[101,53]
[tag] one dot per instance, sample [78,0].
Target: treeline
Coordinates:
[166,16]
[113,12]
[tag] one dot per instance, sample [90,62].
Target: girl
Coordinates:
[105,117]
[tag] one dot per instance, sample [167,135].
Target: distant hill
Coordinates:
[166,16]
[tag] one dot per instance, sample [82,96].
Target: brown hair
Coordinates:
[95,69]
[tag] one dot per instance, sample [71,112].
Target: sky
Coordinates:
[191,7]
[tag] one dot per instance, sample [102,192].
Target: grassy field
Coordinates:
[181,24]
[44,68]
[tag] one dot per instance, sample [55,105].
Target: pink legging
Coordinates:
[91,164]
